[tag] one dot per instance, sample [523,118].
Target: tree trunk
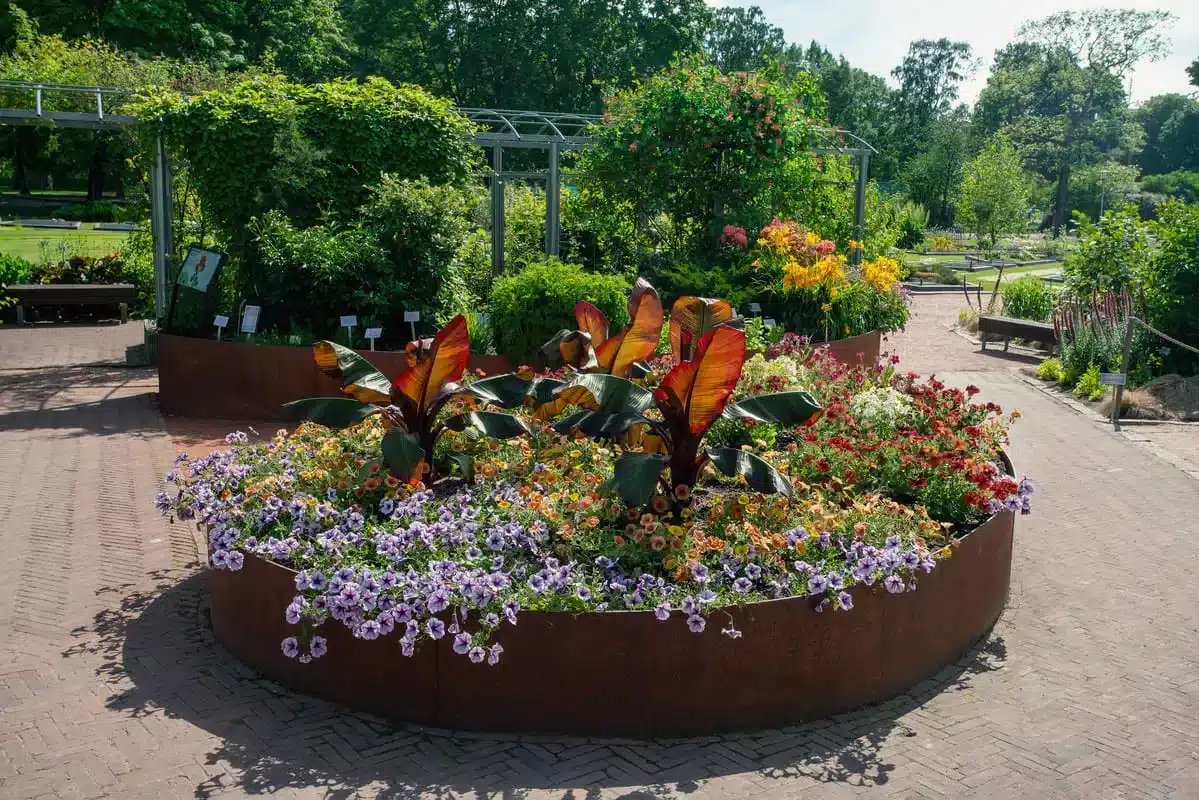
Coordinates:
[1063,197]
[95,170]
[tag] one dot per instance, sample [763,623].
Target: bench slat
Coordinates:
[72,293]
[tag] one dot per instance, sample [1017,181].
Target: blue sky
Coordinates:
[874,34]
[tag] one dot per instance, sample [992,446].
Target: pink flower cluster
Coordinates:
[736,236]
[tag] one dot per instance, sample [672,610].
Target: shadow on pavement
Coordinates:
[157,649]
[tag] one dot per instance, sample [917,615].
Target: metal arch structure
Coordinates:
[495,130]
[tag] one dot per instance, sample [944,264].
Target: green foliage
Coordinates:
[702,148]
[1028,297]
[13,270]
[827,208]
[1100,346]
[1050,370]
[933,176]
[530,306]
[758,336]
[994,195]
[311,153]
[422,227]
[1089,385]
[912,218]
[1112,255]
[1098,187]
[91,211]
[309,277]
[1182,184]
[1173,290]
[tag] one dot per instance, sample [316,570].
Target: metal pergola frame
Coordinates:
[496,130]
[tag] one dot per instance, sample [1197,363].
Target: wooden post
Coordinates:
[1123,369]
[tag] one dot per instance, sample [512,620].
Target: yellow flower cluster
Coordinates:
[882,273]
[829,270]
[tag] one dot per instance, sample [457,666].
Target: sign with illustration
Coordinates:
[200,268]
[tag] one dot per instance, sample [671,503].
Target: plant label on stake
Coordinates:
[220,321]
[769,322]
[372,334]
[249,319]
[1113,379]
[349,322]
[755,308]
[412,317]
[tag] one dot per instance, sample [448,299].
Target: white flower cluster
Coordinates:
[758,372]
[881,405]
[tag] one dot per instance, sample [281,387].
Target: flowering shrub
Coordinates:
[816,292]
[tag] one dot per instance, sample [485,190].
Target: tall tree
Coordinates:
[1058,90]
[929,78]
[1171,124]
[994,196]
[741,39]
[1193,71]
[934,176]
[858,101]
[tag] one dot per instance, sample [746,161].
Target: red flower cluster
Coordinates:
[736,236]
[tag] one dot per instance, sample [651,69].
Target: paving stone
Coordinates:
[111,684]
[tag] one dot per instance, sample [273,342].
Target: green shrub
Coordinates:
[912,217]
[309,277]
[1090,345]
[1050,370]
[13,270]
[1028,297]
[946,275]
[1112,254]
[529,307]
[1089,385]
[1173,291]
[91,211]
[422,227]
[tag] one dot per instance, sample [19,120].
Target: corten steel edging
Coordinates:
[626,673]
[862,350]
[236,380]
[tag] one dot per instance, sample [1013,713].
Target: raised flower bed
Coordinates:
[238,380]
[736,552]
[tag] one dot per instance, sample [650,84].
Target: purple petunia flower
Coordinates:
[368,630]
[438,601]
[462,644]
[477,654]
[689,606]
[583,593]
[318,646]
[731,632]
[290,647]
[753,572]
[435,628]
[493,654]
[706,596]
[236,560]
[700,573]
[696,623]
[845,601]
[162,502]
[894,584]
[662,612]
[817,584]
[742,585]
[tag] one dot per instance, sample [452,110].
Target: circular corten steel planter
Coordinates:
[863,350]
[236,380]
[628,674]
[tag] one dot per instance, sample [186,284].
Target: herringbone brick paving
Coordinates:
[111,685]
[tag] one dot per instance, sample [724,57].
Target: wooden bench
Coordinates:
[77,294]
[1011,328]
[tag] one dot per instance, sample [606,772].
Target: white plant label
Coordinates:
[769,323]
[755,308]
[411,316]
[1113,378]
[374,333]
[220,320]
[350,321]
[249,319]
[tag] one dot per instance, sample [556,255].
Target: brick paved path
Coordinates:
[110,684]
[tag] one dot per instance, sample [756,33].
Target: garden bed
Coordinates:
[626,673]
[236,380]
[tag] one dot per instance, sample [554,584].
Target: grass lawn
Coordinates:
[988,277]
[39,245]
